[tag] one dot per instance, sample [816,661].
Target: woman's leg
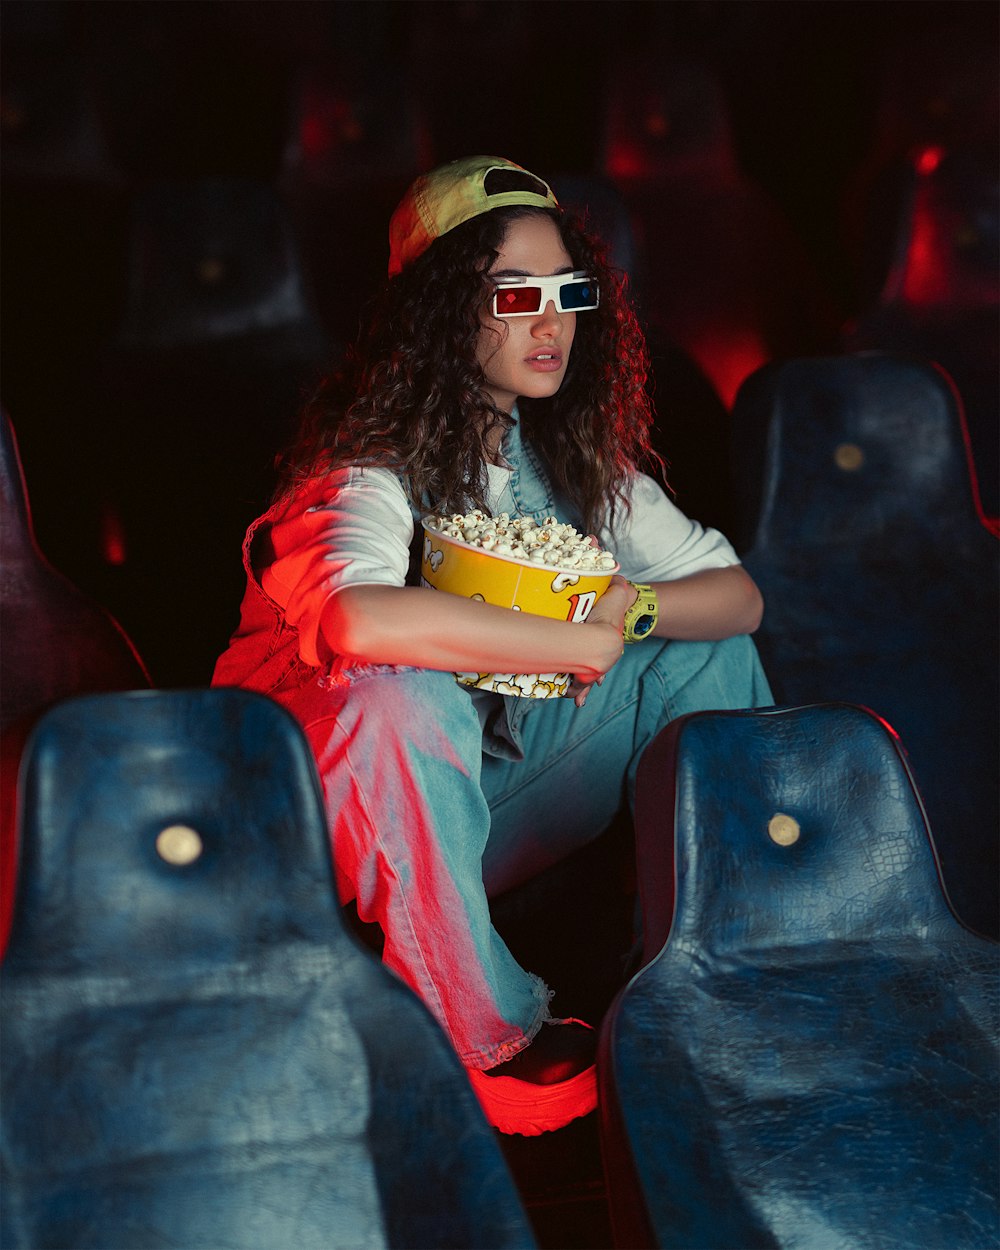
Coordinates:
[400,754]
[580,763]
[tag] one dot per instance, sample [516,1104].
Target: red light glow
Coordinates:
[928,160]
[627,161]
[113,546]
[727,357]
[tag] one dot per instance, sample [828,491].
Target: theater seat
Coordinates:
[197,1055]
[808,1057]
[880,580]
[199,389]
[358,136]
[941,296]
[725,277]
[56,642]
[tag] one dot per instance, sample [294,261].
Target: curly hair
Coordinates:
[411,395]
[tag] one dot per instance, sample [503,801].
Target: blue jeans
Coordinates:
[425,825]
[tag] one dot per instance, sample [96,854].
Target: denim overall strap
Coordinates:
[534,496]
[530,483]
[530,486]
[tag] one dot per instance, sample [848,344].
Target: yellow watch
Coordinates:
[641,617]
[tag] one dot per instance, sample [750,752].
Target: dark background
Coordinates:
[195,200]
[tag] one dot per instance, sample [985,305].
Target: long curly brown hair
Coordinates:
[411,394]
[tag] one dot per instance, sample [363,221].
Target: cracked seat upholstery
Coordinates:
[808,1057]
[882,583]
[196,1053]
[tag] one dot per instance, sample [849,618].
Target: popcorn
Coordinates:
[552,543]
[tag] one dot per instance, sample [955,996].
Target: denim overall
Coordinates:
[439,796]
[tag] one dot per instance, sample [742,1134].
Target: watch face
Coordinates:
[642,626]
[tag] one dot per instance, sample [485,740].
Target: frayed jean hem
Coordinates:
[503,1051]
[338,679]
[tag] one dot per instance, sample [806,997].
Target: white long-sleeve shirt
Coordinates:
[355,526]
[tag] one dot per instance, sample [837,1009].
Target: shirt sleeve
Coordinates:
[354,528]
[658,543]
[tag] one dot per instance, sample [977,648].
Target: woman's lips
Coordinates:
[544,362]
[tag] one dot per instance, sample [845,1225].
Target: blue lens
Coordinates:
[578,294]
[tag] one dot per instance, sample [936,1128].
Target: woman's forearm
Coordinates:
[431,629]
[710,605]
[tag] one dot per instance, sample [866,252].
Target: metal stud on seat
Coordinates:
[179,845]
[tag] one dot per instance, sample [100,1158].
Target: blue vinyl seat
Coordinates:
[880,579]
[808,1057]
[197,1054]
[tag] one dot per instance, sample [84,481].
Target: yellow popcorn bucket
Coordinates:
[508,582]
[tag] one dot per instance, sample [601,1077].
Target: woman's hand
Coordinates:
[609,610]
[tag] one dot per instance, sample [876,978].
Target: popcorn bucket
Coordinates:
[454,566]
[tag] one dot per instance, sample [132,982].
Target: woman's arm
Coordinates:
[431,629]
[708,605]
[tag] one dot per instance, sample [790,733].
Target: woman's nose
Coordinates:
[548,321]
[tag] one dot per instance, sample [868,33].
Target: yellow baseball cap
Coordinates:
[442,199]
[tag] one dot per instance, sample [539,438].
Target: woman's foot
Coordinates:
[546,1085]
[554,1054]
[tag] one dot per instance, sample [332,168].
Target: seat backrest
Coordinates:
[196,1052]
[51,124]
[813,1039]
[599,204]
[351,128]
[947,247]
[213,260]
[666,117]
[881,583]
[791,827]
[56,640]
[940,298]
[726,278]
[869,448]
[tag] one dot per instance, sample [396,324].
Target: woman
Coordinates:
[502,369]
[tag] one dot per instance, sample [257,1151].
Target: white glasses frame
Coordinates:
[551,289]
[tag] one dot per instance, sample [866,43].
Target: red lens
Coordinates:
[521,299]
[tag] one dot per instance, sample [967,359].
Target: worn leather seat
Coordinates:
[880,580]
[56,641]
[808,1057]
[197,1055]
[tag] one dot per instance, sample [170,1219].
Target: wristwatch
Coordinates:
[641,617]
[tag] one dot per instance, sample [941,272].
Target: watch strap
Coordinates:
[641,617]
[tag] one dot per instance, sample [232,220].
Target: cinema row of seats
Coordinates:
[180,410]
[862,616]
[856,514]
[198,1053]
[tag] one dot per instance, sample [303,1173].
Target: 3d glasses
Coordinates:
[525,297]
